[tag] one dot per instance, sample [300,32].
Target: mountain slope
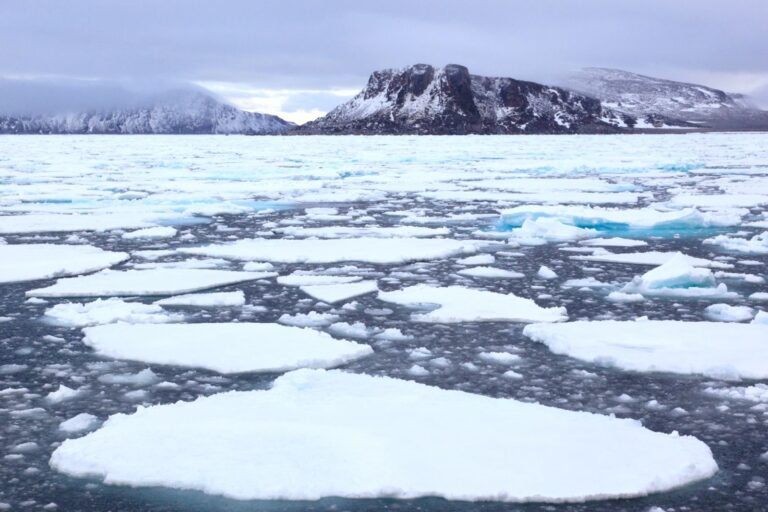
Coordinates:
[180,112]
[421,99]
[680,103]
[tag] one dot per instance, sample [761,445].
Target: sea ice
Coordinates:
[649,258]
[156,233]
[333,293]
[490,272]
[371,250]
[460,304]
[224,347]
[206,300]
[317,434]
[369,231]
[79,423]
[677,277]
[758,244]
[715,349]
[107,311]
[728,313]
[544,229]
[27,262]
[145,282]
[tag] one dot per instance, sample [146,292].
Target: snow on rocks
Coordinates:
[718,350]
[461,304]
[365,249]
[27,262]
[332,433]
[225,348]
[206,300]
[100,311]
[333,293]
[145,282]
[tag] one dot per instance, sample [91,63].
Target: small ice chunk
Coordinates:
[311,319]
[155,233]
[499,357]
[477,259]
[107,311]
[62,394]
[80,423]
[728,313]
[215,299]
[490,272]
[546,273]
[333,293]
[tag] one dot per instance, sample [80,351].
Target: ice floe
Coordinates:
[715,349]
[224,347]
[461,304]
[728,313]
[27,262]
[145,282]
[156,233]
[317,434]
[490,272]
[105,311]
[366,249]
[333,293]
[203,300]
[677,277]
[758,244]
[358,232]
[649,258]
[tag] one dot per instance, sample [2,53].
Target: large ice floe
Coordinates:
[365,249]
[719,350]
[319,433]
[27,262]
[460,304]
[145,282]
[224,347]
[649,258]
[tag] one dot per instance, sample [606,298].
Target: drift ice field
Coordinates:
[526,323]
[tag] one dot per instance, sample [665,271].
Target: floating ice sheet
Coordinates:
[714,349]
[145,282]
[27,262]
[460,304]
[202,300]
[370,250]
[333,293]
[225,348]
[316,434]
[75,314]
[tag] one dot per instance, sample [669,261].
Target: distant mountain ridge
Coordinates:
[422,99]
[680,103]
[172,112]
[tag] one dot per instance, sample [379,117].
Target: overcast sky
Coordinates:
[298,59]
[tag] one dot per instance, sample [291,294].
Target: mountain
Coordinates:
[655,100]
[422,99]
[178,111]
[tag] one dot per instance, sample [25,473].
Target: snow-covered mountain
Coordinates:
[422,99]
[178,111]
[655,100]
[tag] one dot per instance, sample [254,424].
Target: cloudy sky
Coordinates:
[298,59]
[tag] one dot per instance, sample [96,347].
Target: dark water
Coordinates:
[737,432]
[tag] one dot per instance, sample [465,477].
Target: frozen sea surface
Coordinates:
[678,190]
